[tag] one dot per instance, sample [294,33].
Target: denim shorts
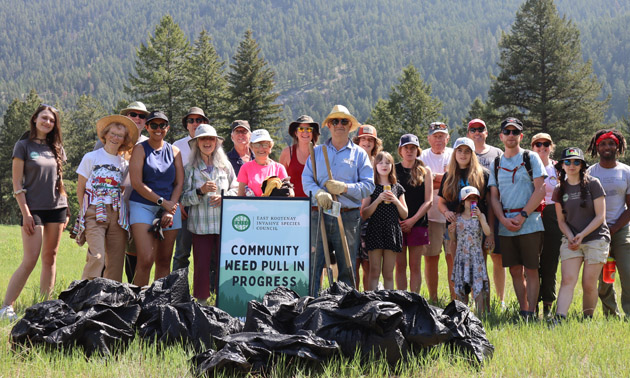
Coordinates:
[143,213]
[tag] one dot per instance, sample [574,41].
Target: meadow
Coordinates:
[597,347]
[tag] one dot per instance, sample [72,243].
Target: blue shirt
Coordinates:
[516,187]
[350,164]
[158,172]
[236,161]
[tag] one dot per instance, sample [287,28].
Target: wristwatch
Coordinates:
[524,214]
[199,192]
[160,201]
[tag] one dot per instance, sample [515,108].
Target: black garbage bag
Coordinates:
[276,313]
[468,334]
[100,291]
[187,323]
[247,351]
[41,320]
[171,289]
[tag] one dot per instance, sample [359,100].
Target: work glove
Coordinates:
[324,199]
[335,187]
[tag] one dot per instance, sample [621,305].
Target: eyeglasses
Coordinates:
[438,126]
[134,114]
[476,129]
[540,144]
[194,120]
[155,126]
[305,129]
[576,162]
[261,145]
[114,135]
[336,121]
[511,131]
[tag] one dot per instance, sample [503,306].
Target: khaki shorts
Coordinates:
[522,250]
[593,252]
[436,238]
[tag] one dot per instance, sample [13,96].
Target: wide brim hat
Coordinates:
[571,153]
[541,136]
[464,142]
[340,111]
[194,111]
[260,135]
[135,106]
[204,130]
[132,129]
[302,119]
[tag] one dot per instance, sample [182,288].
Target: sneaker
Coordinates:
[7,312]
[503,306]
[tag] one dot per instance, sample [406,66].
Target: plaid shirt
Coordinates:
[202,218]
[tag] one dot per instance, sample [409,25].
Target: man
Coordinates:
[516,196]
[478,132]
[353,180]
[437,158]
[194,118]
[615,178]
[241,153]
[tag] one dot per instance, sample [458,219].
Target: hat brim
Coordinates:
[192,141]
[126,111]
[355,123]
[560,163]
[206,120]
[130,125]
[294,125]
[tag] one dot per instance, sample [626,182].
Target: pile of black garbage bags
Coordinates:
[103,316]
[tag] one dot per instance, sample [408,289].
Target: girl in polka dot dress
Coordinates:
[384,208]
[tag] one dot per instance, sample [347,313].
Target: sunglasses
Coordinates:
[194,120]
[343,121]
[305,129]
[155,126]
[540,144]
[438,126]
[49,106]
[477,129]
[139,115]
[511,131]
[240,130]
[576,162]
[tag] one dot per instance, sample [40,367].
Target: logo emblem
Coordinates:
[34,155]
[241,222]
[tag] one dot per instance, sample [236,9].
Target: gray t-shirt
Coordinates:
[616,183]
[487,158]
[577,217]
[40,175]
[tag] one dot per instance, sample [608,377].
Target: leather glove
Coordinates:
[324,199]
[335,187]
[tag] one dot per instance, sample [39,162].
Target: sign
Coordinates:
[265,243]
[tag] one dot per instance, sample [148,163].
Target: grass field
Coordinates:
[576,348]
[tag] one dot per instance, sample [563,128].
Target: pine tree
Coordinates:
[543,75]
[251,87]
[160,79]
[410,109]
[207,85]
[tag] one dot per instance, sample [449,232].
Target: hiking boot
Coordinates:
[7,312]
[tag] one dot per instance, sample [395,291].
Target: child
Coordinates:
[384,208]
[469,268]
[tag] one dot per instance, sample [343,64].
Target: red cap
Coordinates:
[476,121]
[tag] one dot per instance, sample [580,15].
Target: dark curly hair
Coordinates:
[621,146]
[53,140]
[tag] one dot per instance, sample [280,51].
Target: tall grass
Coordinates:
[597,347]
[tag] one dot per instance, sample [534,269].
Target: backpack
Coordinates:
[528,166]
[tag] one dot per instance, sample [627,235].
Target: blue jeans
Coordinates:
[183,244]
[351,224]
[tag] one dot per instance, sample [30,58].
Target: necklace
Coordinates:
[40,140]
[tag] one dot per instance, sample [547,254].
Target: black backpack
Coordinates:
[526,162]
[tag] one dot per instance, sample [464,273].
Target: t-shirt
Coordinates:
[184,149]
[40,175]
[485,196]
[616,183]
[438,164]
[253,174]
[487,158]
[105,174]
[577,217]
[550,182]
[414,195]
[516,187]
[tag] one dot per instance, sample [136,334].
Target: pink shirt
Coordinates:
[253,174]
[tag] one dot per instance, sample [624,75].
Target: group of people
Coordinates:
[525,210]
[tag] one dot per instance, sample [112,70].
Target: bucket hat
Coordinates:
[300,120]
[194,111]
[260,135]
[204,130]
[135,106]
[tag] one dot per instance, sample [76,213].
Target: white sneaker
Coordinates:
[7,312]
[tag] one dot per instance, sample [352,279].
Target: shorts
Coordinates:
[522,250]
[436,238]
[417,236]
[593,252]
[143,213]
[41,217]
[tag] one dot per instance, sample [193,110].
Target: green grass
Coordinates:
[576,348]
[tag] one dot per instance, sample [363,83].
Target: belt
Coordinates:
[507,211]
[342,210]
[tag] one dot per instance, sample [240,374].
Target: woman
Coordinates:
[102,176]
[544,147]
[207,174]
[303,131]
[416,179]
[463,170]
[581,210]
[157,178]
[38,188]
[253,173]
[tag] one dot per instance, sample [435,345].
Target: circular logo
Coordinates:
[241,222]
[34,155]
[565,197]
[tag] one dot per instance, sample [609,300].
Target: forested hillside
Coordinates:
[323,52]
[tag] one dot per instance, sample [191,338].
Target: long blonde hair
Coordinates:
[451,188]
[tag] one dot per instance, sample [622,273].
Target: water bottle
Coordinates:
[387,188]
[609,270]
